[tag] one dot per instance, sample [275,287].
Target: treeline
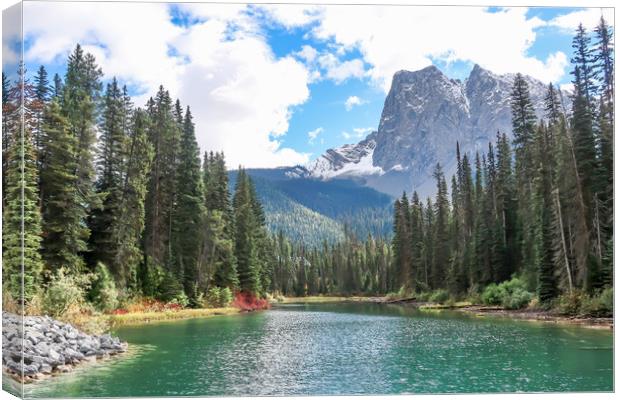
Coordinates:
[539,208]
[120,194]
[349,267]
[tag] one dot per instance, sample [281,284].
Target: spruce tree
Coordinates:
[161,196]
[219,239]
[441,240]
[132,201]
[104,221]
[58,86]
[189,216]
[79,107]
[246,251]
[547,289]
[21,222]
[63,212]
[524,126]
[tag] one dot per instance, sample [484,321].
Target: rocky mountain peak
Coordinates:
[425,113]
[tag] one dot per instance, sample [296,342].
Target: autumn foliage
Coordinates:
[247,301]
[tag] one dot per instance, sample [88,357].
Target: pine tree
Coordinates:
[553,107]
[41,84]
[246,247]
[401,242]
[219,240]
[508,252]
[161,196]
[63,212]
[58,87]
[547,289]
[21,223]
[139,155]
[441,239]
[189,216]
[41,97]
[524,126]
[104,221]
[79,100]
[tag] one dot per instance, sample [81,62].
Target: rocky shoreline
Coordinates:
[48,347]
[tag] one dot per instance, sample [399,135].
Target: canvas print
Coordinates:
[218,199]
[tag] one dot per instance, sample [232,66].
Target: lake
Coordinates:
[346,348]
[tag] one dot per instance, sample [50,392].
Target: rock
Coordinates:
[64,368]
[30,369]
[42,349]
[50,346]
[13,367]
[45,369]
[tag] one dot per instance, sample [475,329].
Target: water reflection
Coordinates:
[348,349]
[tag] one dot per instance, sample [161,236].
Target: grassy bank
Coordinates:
[153,316]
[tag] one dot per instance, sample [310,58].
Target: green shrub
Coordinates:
[493,295]
[569,303]
[103,292]
[64,291]
[180,299]
[516,299]
[169,288]
[213,297]
[424,296]
[226,297]
[599,304]
[510,294]
[439,296]
[218,297]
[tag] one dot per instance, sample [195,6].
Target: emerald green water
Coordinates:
[345,349]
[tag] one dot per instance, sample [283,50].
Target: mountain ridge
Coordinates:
[425,113]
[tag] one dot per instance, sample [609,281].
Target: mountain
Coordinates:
[311,211]
[424,115]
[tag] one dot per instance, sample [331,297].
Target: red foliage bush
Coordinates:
[119,311]
[247,301]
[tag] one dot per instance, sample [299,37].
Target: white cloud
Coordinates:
[326,65]
[11,39]
[137,53]
[352,101]
[307,53]
[411,37]
[358,133]
[291,15]
[240,93]
[339,71]
[589,17]
[312,135]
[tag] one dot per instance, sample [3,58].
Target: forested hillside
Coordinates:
[118,203]
[332,206]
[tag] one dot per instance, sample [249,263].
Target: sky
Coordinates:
[277,85]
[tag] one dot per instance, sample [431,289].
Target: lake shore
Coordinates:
[139,318]
[36,347]
[530,315]
[51,347]
[468,308]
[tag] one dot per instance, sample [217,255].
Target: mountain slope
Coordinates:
[311,211]
[424,115]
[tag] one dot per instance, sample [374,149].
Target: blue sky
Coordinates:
[278,85]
